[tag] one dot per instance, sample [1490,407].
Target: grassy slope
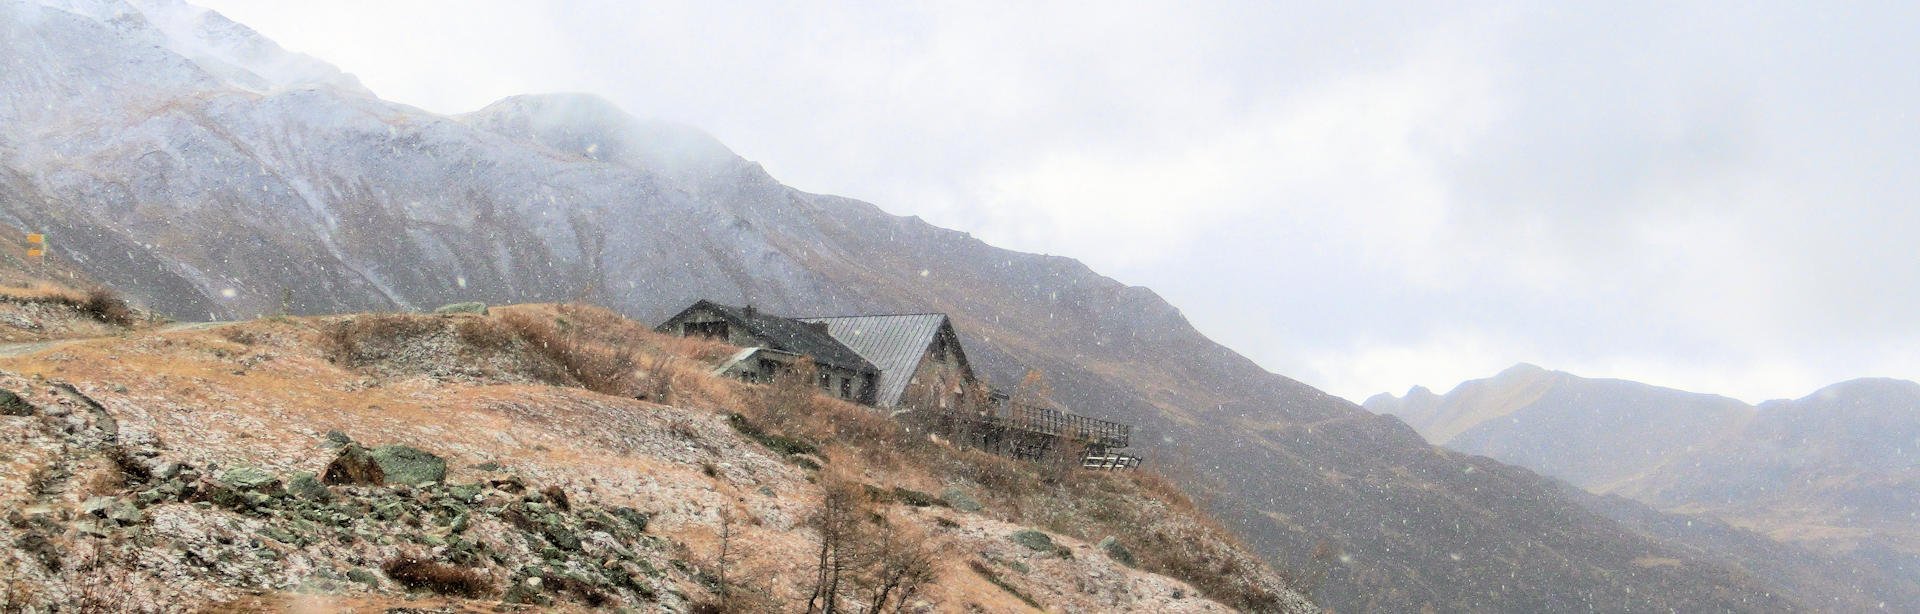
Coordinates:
[265,393]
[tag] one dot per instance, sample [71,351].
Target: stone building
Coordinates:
[920,358]
[912,364]
[773,344]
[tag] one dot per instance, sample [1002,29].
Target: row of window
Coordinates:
[846,385]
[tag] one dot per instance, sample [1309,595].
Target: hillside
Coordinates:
[1594,433]
[186,468]
[1830,476]
[212,185]
[1833,470]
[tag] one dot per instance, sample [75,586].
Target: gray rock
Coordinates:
[960,500]
[96,507]
[1033,539]
[251,479]
[1116,551]
[473,307]
[12,405]
[466,493]
[307,486]
[354,466]
[409,465]
[337,439]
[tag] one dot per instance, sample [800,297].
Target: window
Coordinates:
[846,388]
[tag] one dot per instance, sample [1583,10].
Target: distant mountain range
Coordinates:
[211,174]
[1836,472]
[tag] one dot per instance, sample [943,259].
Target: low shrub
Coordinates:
[606,368]
[101,304]
[358,340]
[106,306]
[778,443]
[994,577]
[418,573]
[916,498]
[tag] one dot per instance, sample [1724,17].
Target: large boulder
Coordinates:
[307,486]
[12,405]
[1033,539]
[409,465]
[354,465]
[251,479]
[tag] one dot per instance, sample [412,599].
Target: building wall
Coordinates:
[839,382]
[940,381]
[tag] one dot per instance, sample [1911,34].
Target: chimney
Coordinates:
[751,311]
[819,326]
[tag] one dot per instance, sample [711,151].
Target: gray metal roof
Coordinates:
[894,343]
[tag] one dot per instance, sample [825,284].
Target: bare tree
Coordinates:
[836,520]
[903,562]
[723,560]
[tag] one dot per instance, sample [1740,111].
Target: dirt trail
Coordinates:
[8,350]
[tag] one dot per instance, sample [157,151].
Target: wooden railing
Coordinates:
[1049,421]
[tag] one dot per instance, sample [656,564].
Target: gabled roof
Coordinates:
[789,335]
[894,343]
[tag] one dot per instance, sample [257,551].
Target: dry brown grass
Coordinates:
[99,303]
[1147,512]
[360,339]
[41,292]
[595,364]
[419,573]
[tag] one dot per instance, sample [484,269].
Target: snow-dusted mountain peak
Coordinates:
[232,53]
[594,127]
[237,53]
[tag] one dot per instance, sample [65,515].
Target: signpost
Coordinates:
[37,250]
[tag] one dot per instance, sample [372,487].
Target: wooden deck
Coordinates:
[1033,433]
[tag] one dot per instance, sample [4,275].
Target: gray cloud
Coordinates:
[1363,196]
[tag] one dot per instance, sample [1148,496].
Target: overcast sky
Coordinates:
[1364,197]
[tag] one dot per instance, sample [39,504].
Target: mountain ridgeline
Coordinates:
[1831,476]
[212,175]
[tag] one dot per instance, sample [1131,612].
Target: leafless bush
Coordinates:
[100,303]
[904,560]
[864,556]
[357,340]
[420,573]
[106,306]
[484,334]
[657,377]
[600,367]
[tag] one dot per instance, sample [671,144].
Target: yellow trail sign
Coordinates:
[36,245]
[36,238]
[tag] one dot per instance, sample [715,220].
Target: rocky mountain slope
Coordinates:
[215,185]
[1831,473]
[1594,433]
[472,463]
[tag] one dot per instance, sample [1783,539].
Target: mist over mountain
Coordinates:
[1832,472]
[212,175]
[1593,433]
